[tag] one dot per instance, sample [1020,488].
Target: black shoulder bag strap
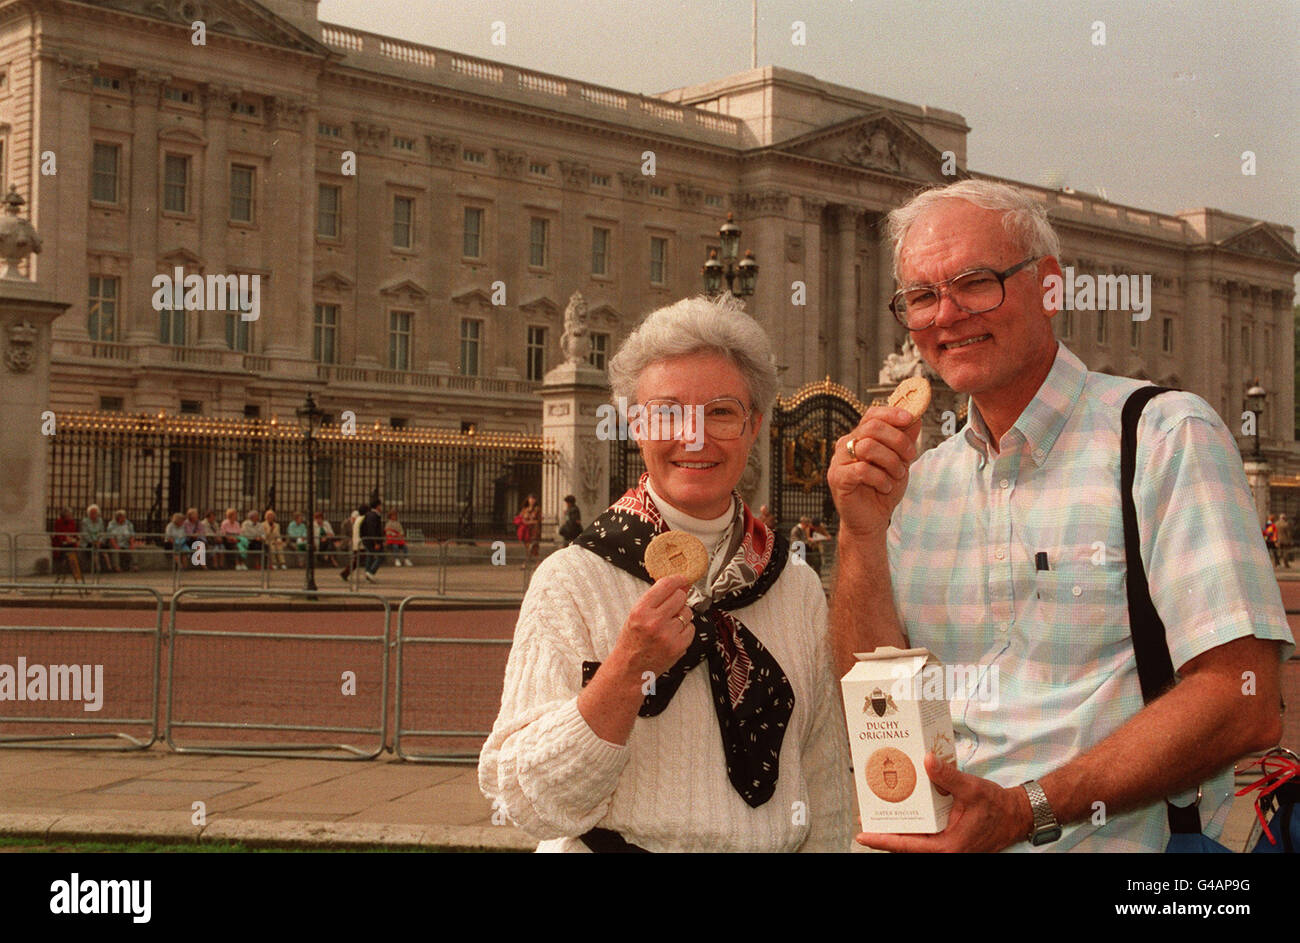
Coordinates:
[1150,648]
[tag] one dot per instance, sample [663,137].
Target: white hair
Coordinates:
[1024,218]
[699,325]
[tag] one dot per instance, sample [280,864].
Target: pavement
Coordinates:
[62,795]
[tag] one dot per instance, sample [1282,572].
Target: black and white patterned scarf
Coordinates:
[751,694]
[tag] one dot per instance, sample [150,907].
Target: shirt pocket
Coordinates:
[1076,626]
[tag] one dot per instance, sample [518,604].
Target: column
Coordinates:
[26,314]
[571,396]
[846,302]
[138,318]
[289,291]
[210,329]
[888,331]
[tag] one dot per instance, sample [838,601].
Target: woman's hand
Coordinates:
[656,634]
[658,630]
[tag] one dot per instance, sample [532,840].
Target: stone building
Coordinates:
[416,219]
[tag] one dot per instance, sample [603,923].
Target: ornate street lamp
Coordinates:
[310,417]
[1255,397]
[715,269]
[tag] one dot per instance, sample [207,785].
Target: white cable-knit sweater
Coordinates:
[666,789]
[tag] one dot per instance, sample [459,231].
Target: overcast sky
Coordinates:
[1158,117]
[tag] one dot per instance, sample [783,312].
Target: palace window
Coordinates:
[102,317]
[399,339]
[535,354]
[537,242]
[403,217]
[241,193]
[329,198]
[658,260]
[472,239]
[470,331]
[599,350]
[599,251]
[324,330]
[176,183]
[104,173]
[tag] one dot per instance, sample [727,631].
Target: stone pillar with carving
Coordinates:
[26,313]
[571,395]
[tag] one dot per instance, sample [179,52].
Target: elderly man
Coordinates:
[1003,548]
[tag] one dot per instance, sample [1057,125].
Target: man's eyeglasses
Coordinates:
[975,292]
[724,417]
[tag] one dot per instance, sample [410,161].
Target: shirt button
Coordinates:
[1076,590]
[1004,483]
[1000,553]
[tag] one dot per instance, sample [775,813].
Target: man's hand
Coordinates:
[867,490]
[984,816]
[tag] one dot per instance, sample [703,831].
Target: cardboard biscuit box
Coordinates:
[891,728]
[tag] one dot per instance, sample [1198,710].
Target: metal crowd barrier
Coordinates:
[468,694]
[117,686]
[258,678]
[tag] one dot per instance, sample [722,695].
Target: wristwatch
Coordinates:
[1046,828]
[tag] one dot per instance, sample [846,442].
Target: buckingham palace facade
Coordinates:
[416,219]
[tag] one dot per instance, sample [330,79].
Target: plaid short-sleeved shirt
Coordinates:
[1051,648]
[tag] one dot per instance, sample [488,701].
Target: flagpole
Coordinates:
[753,31]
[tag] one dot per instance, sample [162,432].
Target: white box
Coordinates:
[892,725]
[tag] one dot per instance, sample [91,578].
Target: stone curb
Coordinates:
[173,828]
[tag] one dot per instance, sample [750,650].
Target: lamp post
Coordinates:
[1255,404]
[310,417]
[715,270]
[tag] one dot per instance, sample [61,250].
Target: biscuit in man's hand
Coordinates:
[676,552]
[913,394]
[890,774]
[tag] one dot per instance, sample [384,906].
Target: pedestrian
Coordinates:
[64,544]
[231,533]
[353,527]
[193,527]
[395,540]
[298,533]
[210,534]
[985,552]
[118,535]
[274,541]
[93,539]
[252,539]
[528,528]
[174,536]
[1270,539]
[766,516]
[572,525]
[1284,540]
[372,537]
[326,541]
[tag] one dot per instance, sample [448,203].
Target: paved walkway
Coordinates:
[62,795]
[66,795]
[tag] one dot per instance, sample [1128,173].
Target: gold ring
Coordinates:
[684,623]
[852,454]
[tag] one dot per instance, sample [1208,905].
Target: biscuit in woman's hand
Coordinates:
[913,394]
[676,552]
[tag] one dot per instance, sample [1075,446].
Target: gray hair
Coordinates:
[1024,218]
[699,325]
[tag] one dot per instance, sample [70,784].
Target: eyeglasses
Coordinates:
[975,292]
[724,417]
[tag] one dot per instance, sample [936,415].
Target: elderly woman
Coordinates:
[667,716]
